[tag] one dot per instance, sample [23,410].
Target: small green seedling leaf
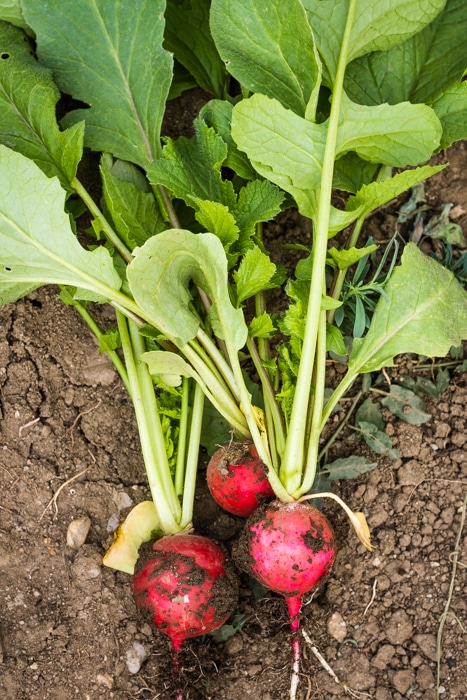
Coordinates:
[405,404]
[228,630]
[37,243]
[335,341]
[377,440]
[348,467]
[269,48]
[345,258]
[262,327]
[123,75]
[160,275]
[423,311]
[253,275]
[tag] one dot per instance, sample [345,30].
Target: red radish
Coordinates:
[288,547]
[186,583]
[237,480]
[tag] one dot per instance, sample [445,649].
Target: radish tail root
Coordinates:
[176,671]
[293,605]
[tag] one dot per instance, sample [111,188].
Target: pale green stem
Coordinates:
[97,214]
[192,458]
[318,401]
[292,464]
[336,395]
[182,437]
[155,462]
[218,360]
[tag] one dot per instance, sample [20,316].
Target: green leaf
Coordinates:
[28,98]
[191,168]
[404,404]
[377,440]
[417,69]
[375,194]
[110,340]
[282,147]
[423,311]
[450,107]
[352,172]
[268,47]
[160,275]
[36,241]
[217,219]
[258,201]
[135,213]
[369,412]
[348,467]
[110,56]
[218,115]
[395,135]
[378,25]
[168,366]
[262,327]
[187,35]
[10,11]
[345,258]
[253,274]
[216,430]
[335,340]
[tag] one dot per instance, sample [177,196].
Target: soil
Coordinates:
[69,448]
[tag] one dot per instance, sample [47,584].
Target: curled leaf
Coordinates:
[357,519]
[141,525]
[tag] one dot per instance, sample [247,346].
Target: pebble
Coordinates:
[427,644]
[77,532]
[105,679]
[403,680]
[135,656]
[337,627]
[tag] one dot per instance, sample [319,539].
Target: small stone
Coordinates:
[384,656]
[135,657]
[105,679]
[77,532]
[234,644]
[337,627]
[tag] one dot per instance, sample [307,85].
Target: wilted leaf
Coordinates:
[404,404]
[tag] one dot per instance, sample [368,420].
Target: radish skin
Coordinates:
[289,548]
[187,585]
[237,480]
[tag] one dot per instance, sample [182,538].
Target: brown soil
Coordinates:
[69,448]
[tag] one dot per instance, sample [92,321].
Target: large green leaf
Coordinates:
[289,150]
[283,147]
[417,69]
[187,35]
[37,245]
[395,135]
[423,311]
[28,98]
[450,107]
[378,25]
[268,47]
[110,56]
[160,276]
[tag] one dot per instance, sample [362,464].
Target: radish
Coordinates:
[186,583]
[237,479]
[288,547]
